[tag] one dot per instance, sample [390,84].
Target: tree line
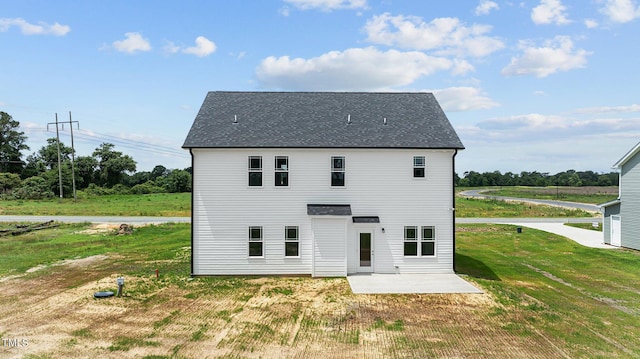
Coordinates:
[105,171]
[570,178]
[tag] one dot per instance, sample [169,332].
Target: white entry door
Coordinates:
[616,229]
[365,252]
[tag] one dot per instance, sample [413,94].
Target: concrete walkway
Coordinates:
[584,237]
[376,283]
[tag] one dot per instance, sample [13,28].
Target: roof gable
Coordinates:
[321,120]
[634,151]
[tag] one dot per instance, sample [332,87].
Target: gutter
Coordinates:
[192,212]
[453,198]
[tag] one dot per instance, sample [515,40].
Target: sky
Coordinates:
[537,85]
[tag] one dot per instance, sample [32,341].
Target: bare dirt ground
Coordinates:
[51,313]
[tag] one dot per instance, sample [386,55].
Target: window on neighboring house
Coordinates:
[255,171]
[282,171]
[255,241]
[418,166]
[337,171]
[428,241]
[410,240]
[291,241]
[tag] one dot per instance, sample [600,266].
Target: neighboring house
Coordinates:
[322,184]
[621,224]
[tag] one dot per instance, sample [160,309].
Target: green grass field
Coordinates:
[592,195]
[160,204]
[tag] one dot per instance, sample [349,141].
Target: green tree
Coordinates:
[112,165]
[177,181]
[85,167]
[9,181]
[11,144]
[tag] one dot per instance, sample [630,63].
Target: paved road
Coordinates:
[96,219]
[583,206]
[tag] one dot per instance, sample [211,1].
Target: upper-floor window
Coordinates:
[282,171]
[418,166]
[255,171]
[337,171]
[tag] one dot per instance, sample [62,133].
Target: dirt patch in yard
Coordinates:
[266,317]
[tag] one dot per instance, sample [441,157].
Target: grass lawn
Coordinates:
[159,204]
[492,208]
[545,297]
[591,195]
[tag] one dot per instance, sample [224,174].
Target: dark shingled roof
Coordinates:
[320,120]
[328,209]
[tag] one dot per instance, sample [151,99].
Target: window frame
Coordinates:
[417,168]
[410,240]
[338,170]
[424,240]
[253,240]
[281,171]
[289,240]
[254,170]
[419,242]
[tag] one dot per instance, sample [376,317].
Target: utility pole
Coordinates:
[59,156]
[59,163]
[73,156]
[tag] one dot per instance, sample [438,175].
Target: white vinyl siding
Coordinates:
[379,184]
[630,205]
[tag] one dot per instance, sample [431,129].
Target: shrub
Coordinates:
[146,188]
[33,188]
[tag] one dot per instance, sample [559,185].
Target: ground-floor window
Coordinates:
[291,241]
[419,244]
[255,241]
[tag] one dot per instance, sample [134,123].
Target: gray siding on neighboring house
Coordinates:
[630,206]
[612,210]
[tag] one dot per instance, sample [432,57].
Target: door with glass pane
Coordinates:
[365,252]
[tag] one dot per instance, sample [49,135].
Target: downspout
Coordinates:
[453,198]
[192,214]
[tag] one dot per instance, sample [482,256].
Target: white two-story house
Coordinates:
[322,184]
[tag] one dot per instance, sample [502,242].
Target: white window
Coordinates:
[282,171]
[255,171]
[419,244]
[428,241]
[291,241]
[410,240]
[419,167]
[337,171]
[255,241]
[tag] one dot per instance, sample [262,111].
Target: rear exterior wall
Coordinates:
[379,182]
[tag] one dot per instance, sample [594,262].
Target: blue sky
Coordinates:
[545,85]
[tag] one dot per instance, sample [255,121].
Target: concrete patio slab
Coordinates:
[376,283]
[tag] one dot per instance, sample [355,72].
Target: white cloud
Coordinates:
[550,12]
[485,7]
[555,55]
[352,69]
[326,5]
[27,28]
[609,109]
[590,23]
[204,47]
[133,43]
[621,11]
[463,99]
[446,36]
